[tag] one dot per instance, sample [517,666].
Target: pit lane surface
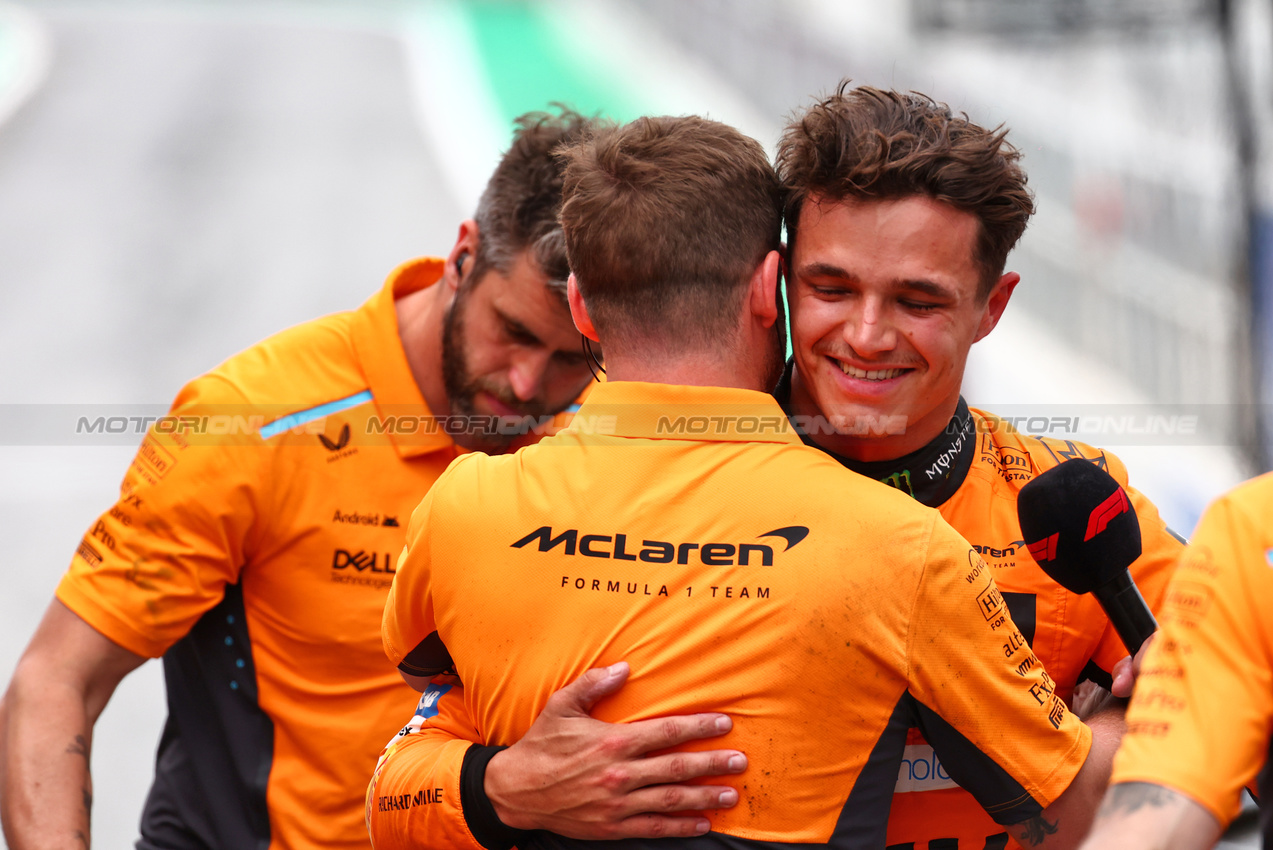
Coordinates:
[180,185]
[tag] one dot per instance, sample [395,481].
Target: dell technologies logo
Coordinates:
[376,562]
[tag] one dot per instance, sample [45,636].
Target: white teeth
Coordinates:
[872,375]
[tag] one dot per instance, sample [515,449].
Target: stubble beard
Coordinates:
[462,388]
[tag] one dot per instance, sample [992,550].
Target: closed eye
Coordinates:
[519,334]
[833,291]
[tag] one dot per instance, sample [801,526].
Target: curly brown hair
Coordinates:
[518,209]
[665,220]
[869,143]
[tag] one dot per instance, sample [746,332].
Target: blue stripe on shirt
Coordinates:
[292,420]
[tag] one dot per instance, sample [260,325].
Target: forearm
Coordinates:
[570,774]
[1064,824]
[1142,816]
[61,684]
[46,791]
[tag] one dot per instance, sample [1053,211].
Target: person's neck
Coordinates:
[703,370]
[420,321]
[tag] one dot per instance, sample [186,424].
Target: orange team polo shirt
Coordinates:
[1070,633]
[687,531]
[252,547]
[1200,717]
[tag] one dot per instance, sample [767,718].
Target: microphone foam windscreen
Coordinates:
[1079,525]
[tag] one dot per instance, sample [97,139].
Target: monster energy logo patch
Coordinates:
[900,481]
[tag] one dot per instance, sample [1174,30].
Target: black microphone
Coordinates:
[1081,528]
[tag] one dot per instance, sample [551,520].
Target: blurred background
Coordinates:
[180,179]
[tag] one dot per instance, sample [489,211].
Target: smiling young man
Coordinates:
[900,218]
[889,300]
[254,555]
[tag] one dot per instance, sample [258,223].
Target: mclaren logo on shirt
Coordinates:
[621,548]
[1000,558]
[1006,552]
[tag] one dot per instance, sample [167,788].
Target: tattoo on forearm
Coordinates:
[78,747]
[1128,797]
[1037,829]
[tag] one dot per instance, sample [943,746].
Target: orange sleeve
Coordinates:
[408,616]
[188,510]
[414,798]
[1152,571]
[1199,718]
[972,666]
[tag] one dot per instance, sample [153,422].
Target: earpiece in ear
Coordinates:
[459,263]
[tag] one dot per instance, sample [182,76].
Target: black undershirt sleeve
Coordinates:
[479,813]
[429,658]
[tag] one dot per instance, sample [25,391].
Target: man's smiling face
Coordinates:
[884,307]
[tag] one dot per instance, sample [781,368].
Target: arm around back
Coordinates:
[1064,823]
[571,774]
[62,682]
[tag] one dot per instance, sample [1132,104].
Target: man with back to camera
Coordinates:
[654,547]
[1198,725]
[257,562]
[900,217]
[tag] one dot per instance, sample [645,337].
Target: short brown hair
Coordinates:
[868,143]
[518,209]
[665,220]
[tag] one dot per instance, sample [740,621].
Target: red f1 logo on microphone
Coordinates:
[1104,513]
[1045,549]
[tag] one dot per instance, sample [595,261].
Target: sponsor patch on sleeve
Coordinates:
[427,707]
